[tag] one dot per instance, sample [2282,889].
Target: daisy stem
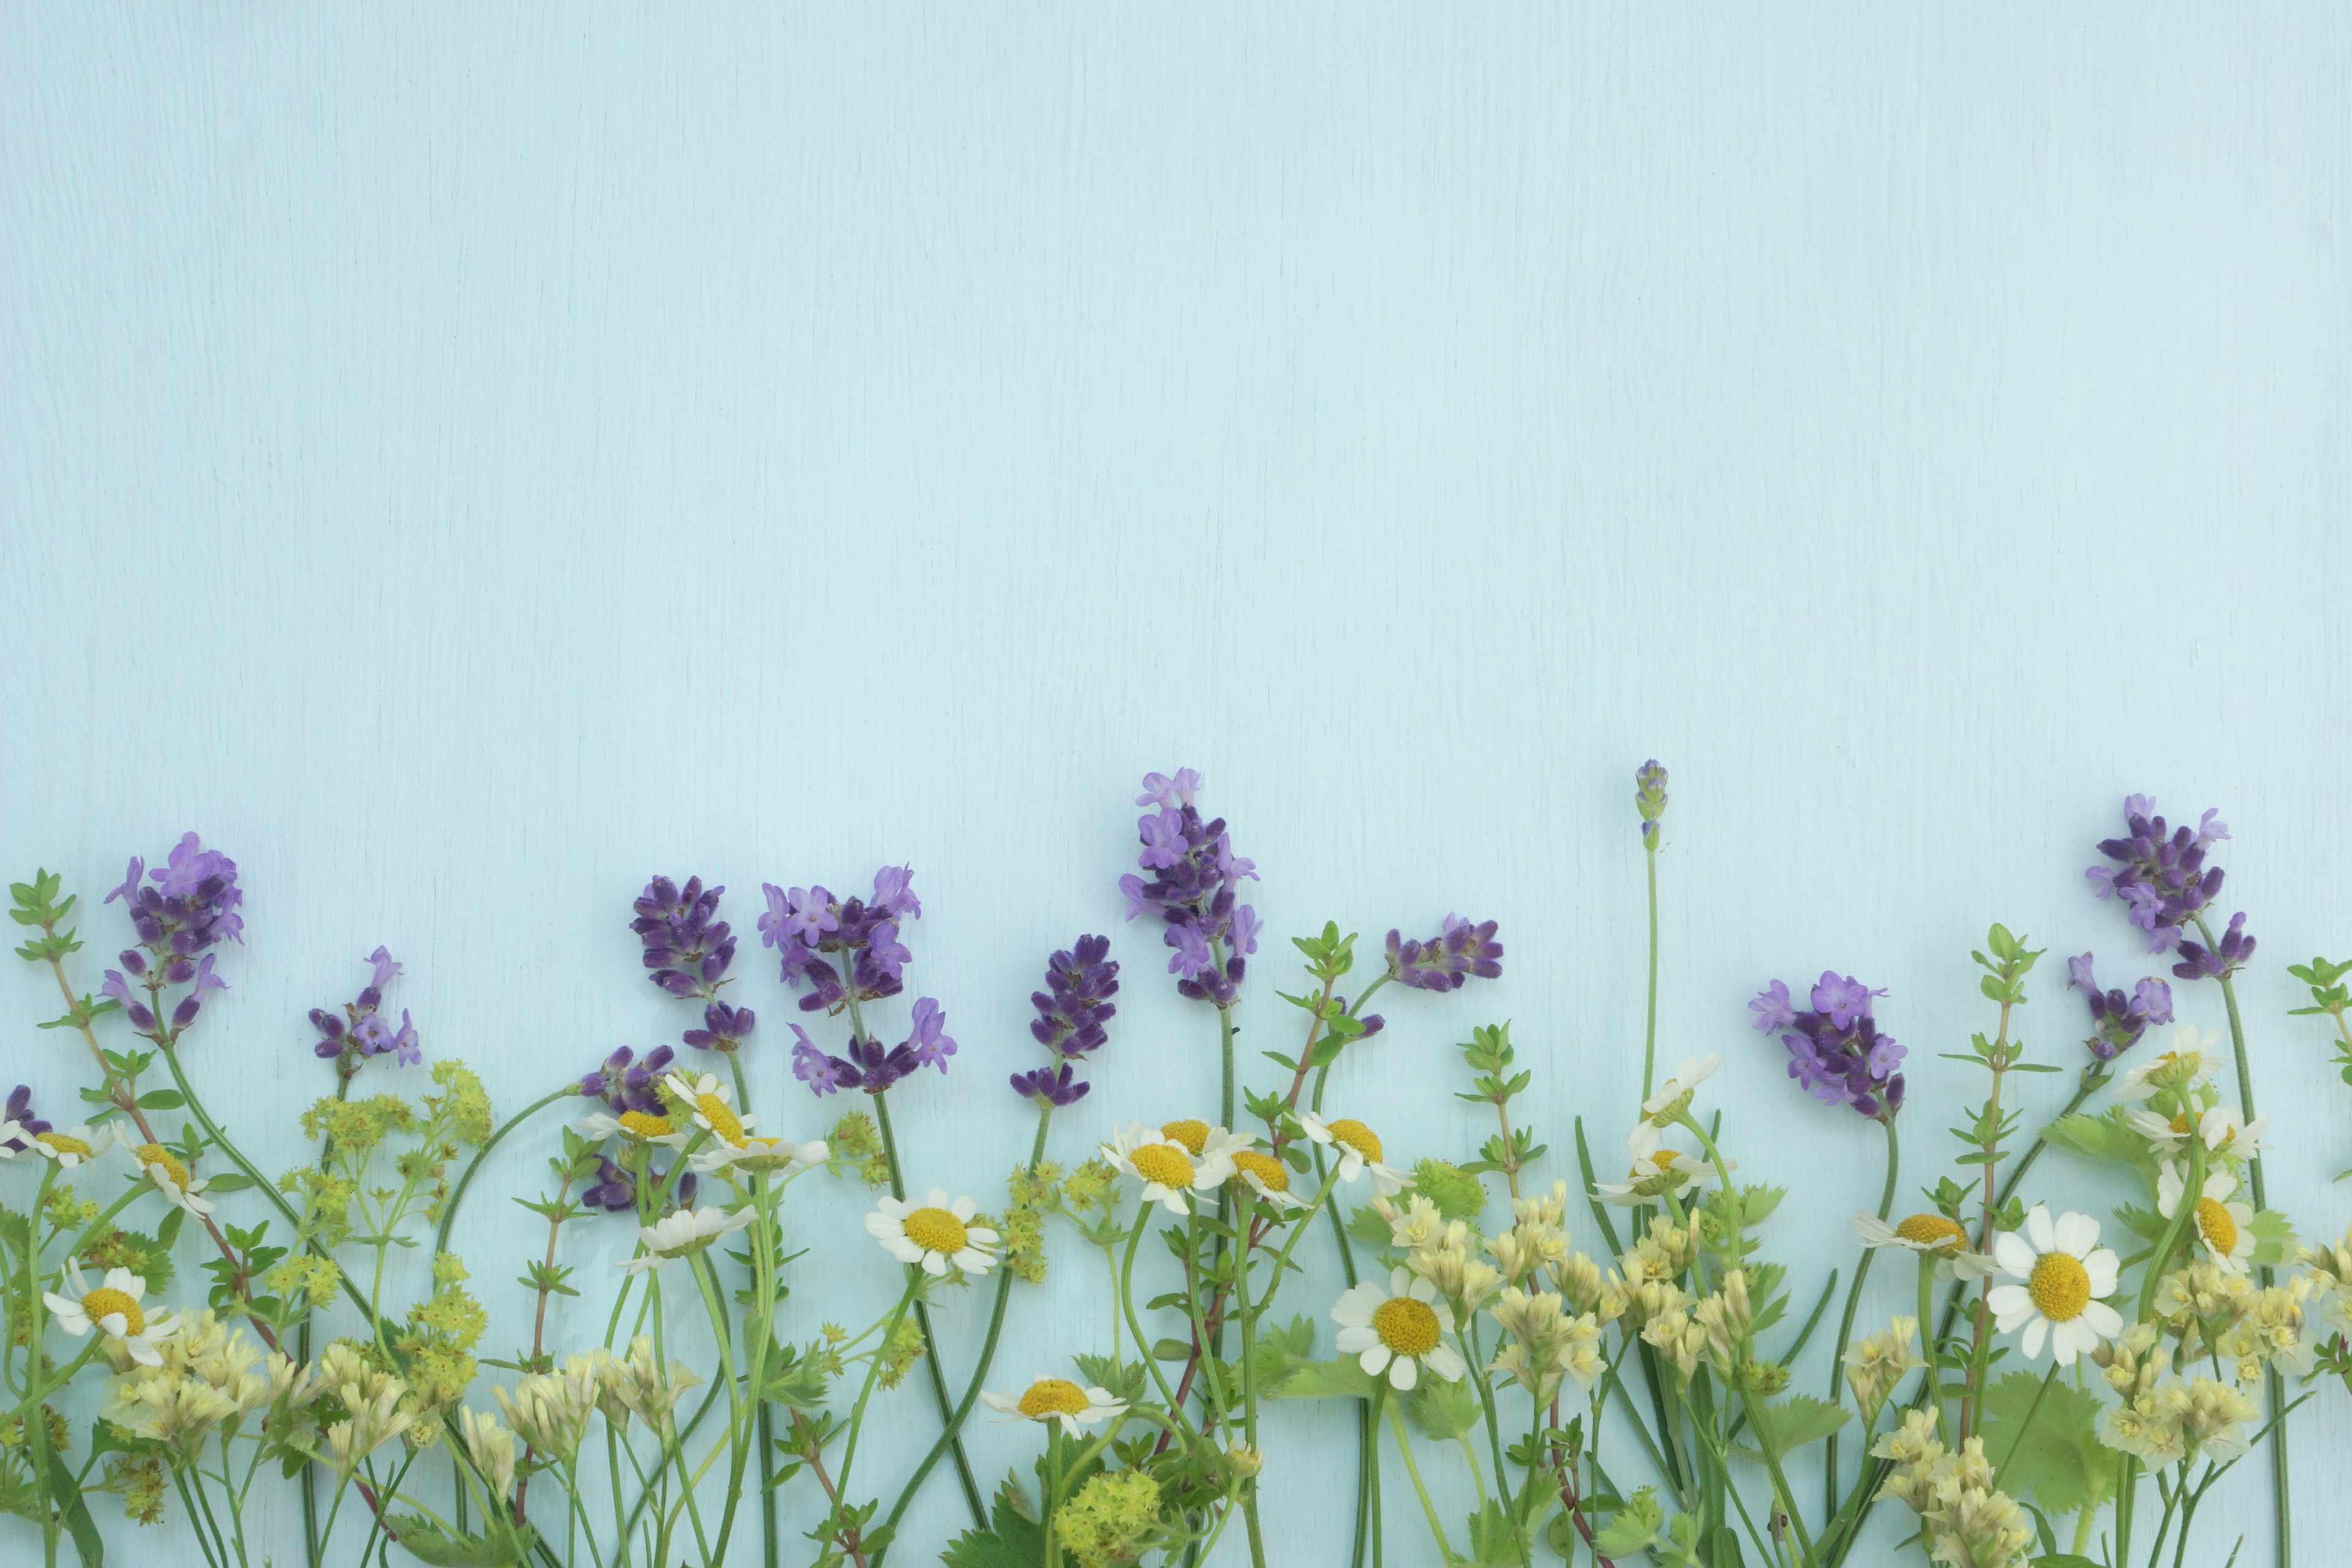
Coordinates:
[1404,1447]
[1300,1227]
[2184,1213]
[873,1375]
[1127,1302]
[937,1375]
[766,1420]
[1931,1388]
[1853,1304]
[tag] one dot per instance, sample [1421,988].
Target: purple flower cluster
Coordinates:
[686,946]
[190,906]
[2117,1021]
[2221,961]
[1072,1011]
[19,1112]
[2160,873]
[1195,875]
[1458,954]
[626,1084]
[831,945]
[362,1030]
[1650,799]
[1835,1050]
[870,1064]
[614,1190]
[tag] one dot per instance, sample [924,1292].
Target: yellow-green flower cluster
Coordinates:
[857,1143]
[1966,1520]
[1114,1518]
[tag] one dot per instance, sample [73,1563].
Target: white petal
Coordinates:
[1446,1363]
[981,1235]
[1375,1359]
[2035,1333]
[142,1352]
[2078,1233]
[934,1265]
[1403,1372]
[964,1208]
[2102,1321]
[2100,1267]
[2039,1230]
[1355,1340]
[2014,1254]
[1400,1280]
[1422,1290]
[1356,1305]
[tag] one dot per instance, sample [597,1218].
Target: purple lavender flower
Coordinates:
[1835,1051]
[724,1028]
[823,1074]
[687,947]
[928,1039]
[614,1190]
[359,1031]
[1052,1084]
[1650,799]
[2222,960]
[893,896]
[1074,1007]
[819,940]
[2117,1021]
[142,1018]
[19,1109]
[1195,878]
[1446,962]
[626,1084]
[205,984]
[192,904]
[2160,875]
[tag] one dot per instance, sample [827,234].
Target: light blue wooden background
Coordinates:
[465,459]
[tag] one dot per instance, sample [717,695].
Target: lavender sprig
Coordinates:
[180,910]
[2117,1021]
[1195,878]
[1835,1050]
[1072,1015]
[839,948]
[626,1084]
[2159,872]
[1446,962]
[361,1030]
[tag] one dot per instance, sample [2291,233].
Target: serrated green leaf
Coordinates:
[1342,1378]
[2060,1459]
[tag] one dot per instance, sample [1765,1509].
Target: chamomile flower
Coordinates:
[2225,1229]
[682,1233]
[1269,1178]
[172,1179]
[1673,1096]
[2191,1058]
[113,1308]
[1202,1140]
[1172,1175]
[636,1126]
[707,1103]
[1358,1150]
[2227,1133]
[1056,1399]
[72,1146]
[759,1154]
[1397,1330]
[2065,1272]
[933,1235]
[1655,1170]
[1925,1234]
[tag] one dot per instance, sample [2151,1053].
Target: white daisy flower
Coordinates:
[1359,1148]
[756,1154]
[1265,1175]
[2227,1133]
[1056,1399]
[1203,1142]
[682,1233]
[2166,1137]
[73,1146]
[2191,1058]
[2226,1228]
[638,1126]
[1673,1096]
[172,1179]
[113,1308]
[934,1234]
[1398,1330]
[1655,1170]
[1926,1233]
[1171,1174]
[2065,1272]
[709,1103]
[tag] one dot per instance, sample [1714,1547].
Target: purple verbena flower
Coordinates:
[2160,875]
[1460,952]
[1194,875]
[1836,1052]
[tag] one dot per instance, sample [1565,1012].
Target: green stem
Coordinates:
[1854,1303]
[1428,1512]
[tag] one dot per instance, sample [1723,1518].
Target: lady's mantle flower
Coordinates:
[680,1235]
[935,1235]
[1835,1050]
[1174,1170]
[1458,954]
[113,1308]
[831,945]
[361,1030]
[2225,1229]
[170,1176]
[1673,1097]
[74,1146]
[1056,1399]
[2117,1021]
[1927,1234]
[1358,1150]
[2065,1274]
[1195,878]
[2160,873]
[1398,1330]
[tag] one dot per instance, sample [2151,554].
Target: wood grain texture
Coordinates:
[465,458]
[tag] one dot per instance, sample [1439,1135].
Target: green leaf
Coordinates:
[1634,1527]
[1494,1539]
[161,1099]
[2058,1458]
[1014,1540]
[505,1544]
[2104,1137]
[2274,1240]
[67,1494]
[1341,1379]
[1790,1424]
[1443,1410]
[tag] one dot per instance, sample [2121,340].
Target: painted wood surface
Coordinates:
[465,459]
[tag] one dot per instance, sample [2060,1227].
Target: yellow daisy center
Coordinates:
[1932,1231]
[101,1301]
[936,1230]
[1053,1396]
[1164,1163]
[1406,1326]
[2214,1222]
[60,1143]
[1356,1136]
[2180,1123]
[1270,1172]
[2059,1285]
[1190,1133]
[157,1154]
[721,1118]
[645,1125]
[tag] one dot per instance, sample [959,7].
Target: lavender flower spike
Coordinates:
[686,946]
[2160,875]
[1459,953]
[360,1030]
[1835,1051]
[1650,799]
[2117,1021]
[2222,960]
[1194,880]
[1072,1013]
